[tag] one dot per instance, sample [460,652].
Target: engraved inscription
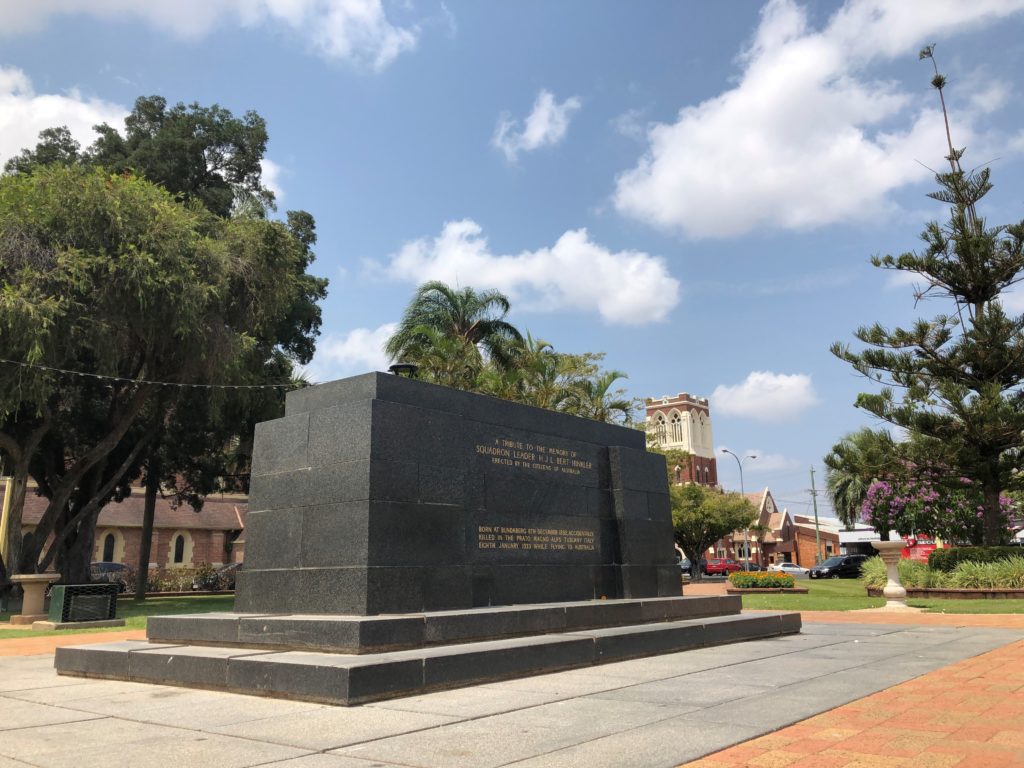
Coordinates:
[527,456]
[501,537]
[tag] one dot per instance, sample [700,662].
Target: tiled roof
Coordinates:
[220,513]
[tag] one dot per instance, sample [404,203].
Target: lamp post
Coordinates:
[746,531]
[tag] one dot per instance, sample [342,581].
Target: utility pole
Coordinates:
[817,533]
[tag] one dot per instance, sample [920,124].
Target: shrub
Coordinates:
[948,559]
[912,574]
[756,580]
[1007,573]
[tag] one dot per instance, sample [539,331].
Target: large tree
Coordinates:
[110,277]
[200,153]
[856,461]
[702,515]
[956,378]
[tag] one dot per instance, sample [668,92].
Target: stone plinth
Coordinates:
[380,494]
[34,587]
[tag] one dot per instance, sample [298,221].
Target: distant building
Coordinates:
[683,423]
[182,538]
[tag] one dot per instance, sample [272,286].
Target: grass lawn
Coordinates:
[135,614]
[850,595]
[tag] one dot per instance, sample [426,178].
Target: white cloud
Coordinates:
[546,126]
[24,113]
[271,174]
[1013,300]
[631,124]
[358,351]
[627,287]
[898,279]
[352,30]
[766,396]
[805,138]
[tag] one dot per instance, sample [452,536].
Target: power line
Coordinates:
[101,377]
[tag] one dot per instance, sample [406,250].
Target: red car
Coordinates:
[721,565]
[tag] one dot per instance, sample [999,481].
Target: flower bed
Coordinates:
[746,580]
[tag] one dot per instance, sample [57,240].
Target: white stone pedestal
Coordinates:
[891,553]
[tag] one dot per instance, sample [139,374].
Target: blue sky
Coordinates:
[692,188]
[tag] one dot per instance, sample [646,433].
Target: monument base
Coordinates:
[356,659]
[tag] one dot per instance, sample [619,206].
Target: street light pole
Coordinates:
[743,493]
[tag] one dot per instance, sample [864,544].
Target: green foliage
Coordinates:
[200,153]
[1002,573]
[460,339]
[702,515]
[958,374]
[949,558]
[111,275]
[852,465]
[767,580]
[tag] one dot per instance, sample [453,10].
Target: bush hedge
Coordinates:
[948,559]
[1007,573]
[756,580]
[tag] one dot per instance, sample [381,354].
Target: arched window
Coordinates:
[676,428]
[108,548]
[659,428]
[179,549]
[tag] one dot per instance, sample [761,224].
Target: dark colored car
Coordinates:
[752,566]
[720,565]
[839,567]
[110,573]
[221,579]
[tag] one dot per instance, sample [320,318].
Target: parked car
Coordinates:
[790,568]
[110,573]
[752,566]
[221,579]
[720,565]
[839,567]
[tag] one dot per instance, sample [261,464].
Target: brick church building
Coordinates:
[683,423]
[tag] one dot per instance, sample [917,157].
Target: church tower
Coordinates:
[683,423]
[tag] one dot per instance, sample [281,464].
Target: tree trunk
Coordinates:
[148,515]
[995,523]
[19,488]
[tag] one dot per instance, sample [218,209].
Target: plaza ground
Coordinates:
[854,689]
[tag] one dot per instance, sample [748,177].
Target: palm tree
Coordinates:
[475,320]
[593,398]
[856,461]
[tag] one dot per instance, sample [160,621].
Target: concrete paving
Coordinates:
[658,711]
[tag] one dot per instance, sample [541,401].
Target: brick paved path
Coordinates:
[34,646]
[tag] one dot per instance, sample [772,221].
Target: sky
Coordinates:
[694,189]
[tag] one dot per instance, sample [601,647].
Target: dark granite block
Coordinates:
[330,590]
[659,506]
[630,505]
[674,608]
[638,470]
[607,582]
[409,433]
[332,393]
[382,678]
[394,481]
[218,628]
[540,584]
[267,674]
[670,580]
[415,534]
[335,534]
[733,629]
[441,485]
[340,434]
[446,587]
[107,660]
[183,665]
[599,503]
[790,622]
[485,623]
[512,495]
[273,539]
[646,542]
[266,591]
[602,613]
[280,445]
[502,659]
[639,581]
[633,642]
[335,634]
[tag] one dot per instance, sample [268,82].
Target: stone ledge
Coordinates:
[49,626]
[956,594]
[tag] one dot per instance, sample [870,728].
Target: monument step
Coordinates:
[349,679]
[393,632]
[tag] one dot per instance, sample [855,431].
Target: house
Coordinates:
[181,537]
